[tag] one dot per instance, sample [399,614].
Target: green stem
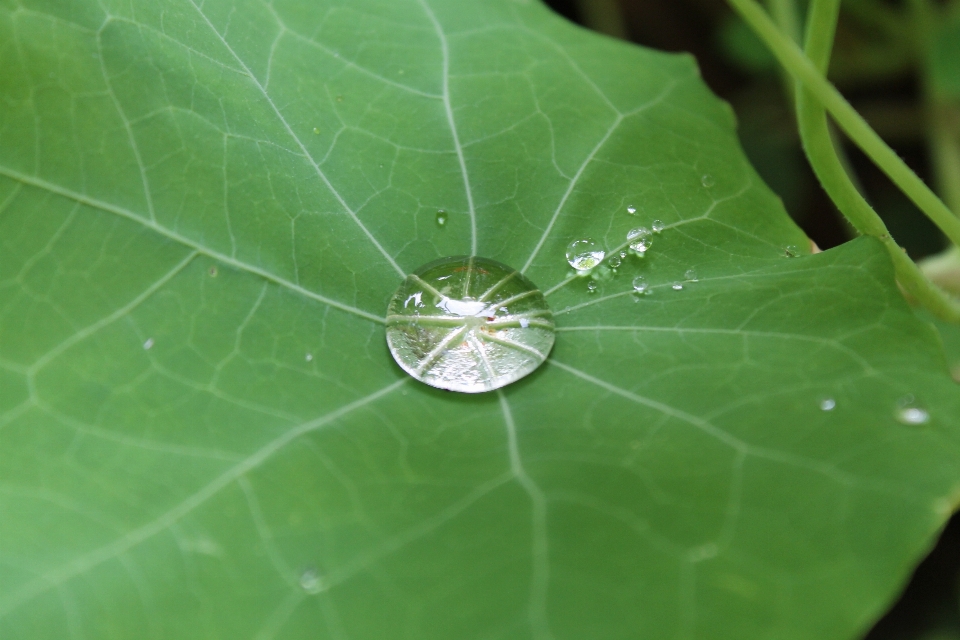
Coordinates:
[943,117]
[793,59]
[820,150]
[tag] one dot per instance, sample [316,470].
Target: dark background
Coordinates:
[887,93]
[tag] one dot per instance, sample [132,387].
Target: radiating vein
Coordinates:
[867,367]
[299,143]
[773,455]
[52,579]
[176,237]
[113,317]
[451,121]
[540,571]
[570,187]
[586,161]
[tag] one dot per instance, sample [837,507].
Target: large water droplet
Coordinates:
[707,180]
[640,284]
[441,217]
[585,254]
[468,324]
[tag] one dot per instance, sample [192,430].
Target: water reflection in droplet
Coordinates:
[469,324]
[585,254]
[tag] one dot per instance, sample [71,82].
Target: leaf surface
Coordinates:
[204,209]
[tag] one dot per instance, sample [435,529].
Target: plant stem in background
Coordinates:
[604,16]
[942,113]
[852,123]
[820,150]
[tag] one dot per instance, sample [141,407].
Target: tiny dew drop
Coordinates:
[677,286]
[316,130]
[913,415]
[585,254]
[828,404]
[441,217]
[308,357]
[592,286]
[791,251]
[690,275]
[707,180]
[632,210]
[614,261]
[658,226]
[311,581]
[468,324]
[640,284]
[148,344]
[213,272]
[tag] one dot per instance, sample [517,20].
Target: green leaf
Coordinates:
[205,209]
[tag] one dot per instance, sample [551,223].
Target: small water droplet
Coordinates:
[640,284]
[690,275]
[632,210]
[441,217]
[828,404]
[468,324]
[639,239]
[585,254]
[311,581]
[791,251]
[592,286]
[148,344]
[658,226]
[339,98]
[707,180]
[614,261]
[913,415]
[212,272]
[677,286]
[308,357]
[316,130]
[623,254]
